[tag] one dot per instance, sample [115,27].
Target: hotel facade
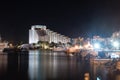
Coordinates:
[41,33]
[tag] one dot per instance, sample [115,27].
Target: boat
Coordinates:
[59,49]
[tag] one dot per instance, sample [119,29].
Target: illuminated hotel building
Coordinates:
[41,33]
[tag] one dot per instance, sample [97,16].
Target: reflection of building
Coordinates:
[3,64]
[41,33]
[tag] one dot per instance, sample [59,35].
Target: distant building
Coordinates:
[78,40]
[41,33]
[116,35]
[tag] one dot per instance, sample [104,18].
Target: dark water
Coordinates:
[44,65]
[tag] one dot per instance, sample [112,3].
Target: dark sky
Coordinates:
[74,19]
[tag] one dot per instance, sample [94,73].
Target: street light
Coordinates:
[116,44]
[97,46]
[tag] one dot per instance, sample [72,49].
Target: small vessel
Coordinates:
[59,49]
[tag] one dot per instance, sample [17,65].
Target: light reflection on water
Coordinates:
[46,65]
[49,67]
[3,64]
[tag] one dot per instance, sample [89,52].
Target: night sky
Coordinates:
[74,19]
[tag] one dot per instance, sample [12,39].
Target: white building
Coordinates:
[41,33]
[116,35]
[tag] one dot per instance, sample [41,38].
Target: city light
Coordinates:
[97,46]
[98,78]
[116,44]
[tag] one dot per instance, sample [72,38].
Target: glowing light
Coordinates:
[46,47]
[86,76]
[73,49]
[98,78]
[115,44]
[77,47]
[97,46]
